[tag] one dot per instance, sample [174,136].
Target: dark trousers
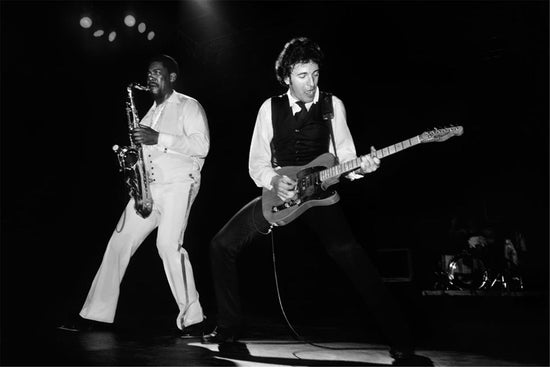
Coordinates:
[333,231]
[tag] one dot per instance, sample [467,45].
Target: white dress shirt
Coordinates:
[183,141]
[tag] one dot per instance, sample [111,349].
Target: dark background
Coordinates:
[401,68]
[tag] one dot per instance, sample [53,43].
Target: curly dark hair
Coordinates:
[297,50]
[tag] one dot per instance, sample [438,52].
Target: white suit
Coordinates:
[174,166]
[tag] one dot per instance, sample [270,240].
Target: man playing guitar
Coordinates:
[290,131]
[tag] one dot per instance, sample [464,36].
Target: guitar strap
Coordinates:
[327,112]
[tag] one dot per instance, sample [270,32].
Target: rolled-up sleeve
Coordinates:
[345,145]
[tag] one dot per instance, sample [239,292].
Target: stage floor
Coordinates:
[453,340]
[452,330]
[107,348]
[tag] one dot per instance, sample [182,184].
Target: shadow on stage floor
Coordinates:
[452,331]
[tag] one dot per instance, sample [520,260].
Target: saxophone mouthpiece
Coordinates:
[138,86]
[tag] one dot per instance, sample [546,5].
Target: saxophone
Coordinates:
[131,162]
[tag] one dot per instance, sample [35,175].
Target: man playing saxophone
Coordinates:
[174,138]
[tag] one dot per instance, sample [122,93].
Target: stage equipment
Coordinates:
[467,271]
[86,22]
[130,20]
[394,264]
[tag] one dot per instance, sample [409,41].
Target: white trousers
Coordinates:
[172,203]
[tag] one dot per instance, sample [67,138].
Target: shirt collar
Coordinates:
[171,99]
[292,101]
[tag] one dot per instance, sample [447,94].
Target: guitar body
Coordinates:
[310,194]
[315,178]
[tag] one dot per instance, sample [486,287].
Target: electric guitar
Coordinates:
[314,179]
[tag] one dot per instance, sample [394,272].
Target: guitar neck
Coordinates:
[354,164]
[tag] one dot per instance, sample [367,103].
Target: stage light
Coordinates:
[112,36]
[99,33]
[130,21]
[85,22]
[150,35]
[142,27]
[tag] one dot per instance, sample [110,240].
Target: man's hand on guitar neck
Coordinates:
[284,187]
[369,163]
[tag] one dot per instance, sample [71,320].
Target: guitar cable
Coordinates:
[296,335]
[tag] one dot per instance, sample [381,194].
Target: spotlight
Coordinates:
[85,22]
[99,33]
[150,35]
[112,36]
[142,27]
[129,20]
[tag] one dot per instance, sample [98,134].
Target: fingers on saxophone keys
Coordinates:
[137,133]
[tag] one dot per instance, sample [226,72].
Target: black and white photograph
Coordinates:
[274,183]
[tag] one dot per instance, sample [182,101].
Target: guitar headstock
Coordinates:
[441,134]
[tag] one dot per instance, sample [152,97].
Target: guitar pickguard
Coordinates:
[309,187]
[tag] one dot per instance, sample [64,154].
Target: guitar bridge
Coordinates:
[285,205]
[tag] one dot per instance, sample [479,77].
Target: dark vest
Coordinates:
[294,145]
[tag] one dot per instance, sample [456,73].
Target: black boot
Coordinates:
[80,324]
[194,331]
[221,335]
